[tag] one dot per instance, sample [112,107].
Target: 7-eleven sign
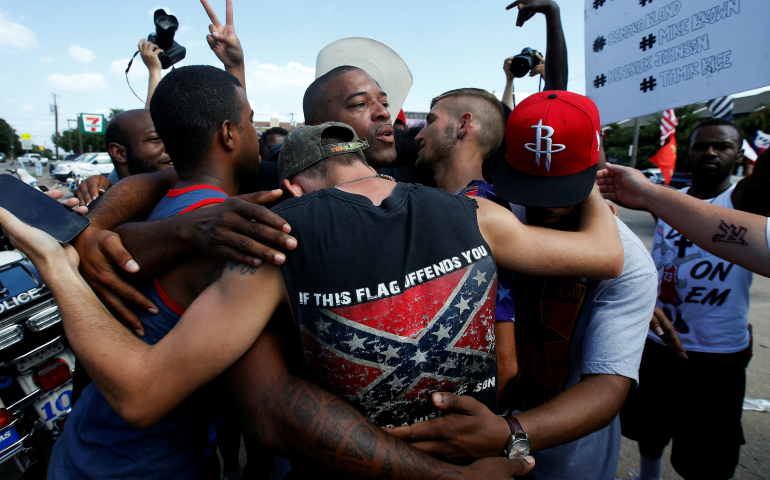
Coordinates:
[92,122]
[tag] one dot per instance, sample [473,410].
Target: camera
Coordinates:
[165,27]
[524,62]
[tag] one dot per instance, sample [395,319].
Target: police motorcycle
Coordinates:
[22,174]
[36,367]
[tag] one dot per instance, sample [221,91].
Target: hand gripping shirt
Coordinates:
[392,302]
[97,443]
[705,297]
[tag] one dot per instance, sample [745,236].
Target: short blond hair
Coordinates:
[486,110]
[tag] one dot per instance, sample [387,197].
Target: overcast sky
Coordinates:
[79,50]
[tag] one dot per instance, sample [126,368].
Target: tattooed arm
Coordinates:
[736,236]
[316,429]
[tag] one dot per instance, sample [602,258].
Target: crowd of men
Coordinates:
[301,288]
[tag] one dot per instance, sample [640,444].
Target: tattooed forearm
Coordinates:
[731,234]
[320,431]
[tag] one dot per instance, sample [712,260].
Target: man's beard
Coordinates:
[136,165]
[378,155]
[441,150]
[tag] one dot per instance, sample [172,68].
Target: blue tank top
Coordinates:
[97,443]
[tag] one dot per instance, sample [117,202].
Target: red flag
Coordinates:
[665,159]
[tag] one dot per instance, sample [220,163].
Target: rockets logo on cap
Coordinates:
[537,147]
[553,146]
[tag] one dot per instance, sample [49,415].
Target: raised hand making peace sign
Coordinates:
[224,42]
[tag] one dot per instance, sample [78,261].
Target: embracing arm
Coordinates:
[144,383]
[305,423]
[594,251]
[231,229]
[732,235]
[131,199]
[588,406]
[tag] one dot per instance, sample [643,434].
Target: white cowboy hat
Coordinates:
[381,62]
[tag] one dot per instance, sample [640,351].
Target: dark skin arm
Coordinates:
[225,230]
[132,199]
[305,423]
[556,68]
[469,430]
[505,340]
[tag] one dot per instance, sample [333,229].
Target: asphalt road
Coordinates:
[755,455]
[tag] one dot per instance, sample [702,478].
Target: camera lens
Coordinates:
[165,27]
[520,66]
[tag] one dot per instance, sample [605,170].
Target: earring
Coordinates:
[459,136]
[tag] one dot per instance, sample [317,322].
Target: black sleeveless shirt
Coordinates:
[393,302]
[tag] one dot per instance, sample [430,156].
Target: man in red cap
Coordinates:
[578,341]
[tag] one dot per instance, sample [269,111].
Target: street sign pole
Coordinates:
[80,134]
[636,143]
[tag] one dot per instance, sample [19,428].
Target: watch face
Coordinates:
[520,448]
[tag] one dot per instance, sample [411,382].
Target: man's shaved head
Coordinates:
[317,98]
[486,110]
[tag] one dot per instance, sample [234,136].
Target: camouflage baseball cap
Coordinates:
[302,147]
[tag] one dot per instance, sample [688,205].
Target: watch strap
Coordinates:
[514,425]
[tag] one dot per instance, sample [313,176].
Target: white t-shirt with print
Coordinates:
[701,292]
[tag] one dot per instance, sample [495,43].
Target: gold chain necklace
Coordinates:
[385,177]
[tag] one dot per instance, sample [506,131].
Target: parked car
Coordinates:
[71,158]
[63,170]
[99,164]
[678,179]
[2,157]
[654,174]
[32,159]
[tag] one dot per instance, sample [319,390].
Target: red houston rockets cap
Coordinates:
[553,141]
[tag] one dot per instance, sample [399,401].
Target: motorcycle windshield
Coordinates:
[15,280]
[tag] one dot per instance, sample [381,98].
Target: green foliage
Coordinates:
[114,112]
[617,139]
[8,135]
[759,118]
[95,141]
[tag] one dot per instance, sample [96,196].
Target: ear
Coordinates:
[117,152]
[464,124]
[739,157]
[295,189]
[228,134]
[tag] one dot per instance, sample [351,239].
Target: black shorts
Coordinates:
[697,402]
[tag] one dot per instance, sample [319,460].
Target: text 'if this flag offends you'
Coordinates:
[668,123]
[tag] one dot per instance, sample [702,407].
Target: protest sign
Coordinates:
[645,56]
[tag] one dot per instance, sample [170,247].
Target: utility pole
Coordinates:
[636,143]
[80,134]
[291,122]
[55,109]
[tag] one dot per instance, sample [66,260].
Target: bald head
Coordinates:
[122,125]
[134,145]
[349,95]
[317,98]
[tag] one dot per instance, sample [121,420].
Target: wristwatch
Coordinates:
[518,445]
